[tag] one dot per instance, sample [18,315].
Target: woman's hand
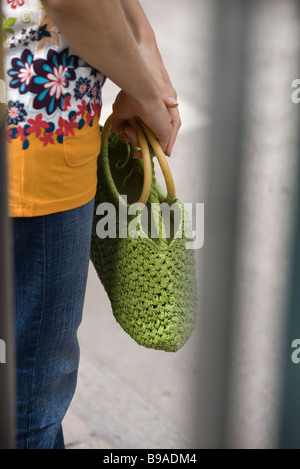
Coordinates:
[147,46]
[153,113]
[152,58]
[125,105]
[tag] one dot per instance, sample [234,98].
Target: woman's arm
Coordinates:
[146,41]
[99,33]
[138,21]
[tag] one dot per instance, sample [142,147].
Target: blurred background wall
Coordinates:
[251,202]
[267,203]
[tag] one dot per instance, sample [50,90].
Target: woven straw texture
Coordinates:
[151,282]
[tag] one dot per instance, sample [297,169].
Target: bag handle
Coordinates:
[140,128]
[161,159]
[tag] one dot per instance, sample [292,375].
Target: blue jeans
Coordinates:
[51,256]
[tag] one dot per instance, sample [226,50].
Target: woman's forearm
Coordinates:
[99,32]
[138,21]
[146,41]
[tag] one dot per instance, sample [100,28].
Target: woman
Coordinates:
[58,55]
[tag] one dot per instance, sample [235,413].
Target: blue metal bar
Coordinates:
[7,362]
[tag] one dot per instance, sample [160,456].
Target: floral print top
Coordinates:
[53,108]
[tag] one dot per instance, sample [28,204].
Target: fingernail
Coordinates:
[172,100]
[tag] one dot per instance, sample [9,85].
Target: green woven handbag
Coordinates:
[141,259]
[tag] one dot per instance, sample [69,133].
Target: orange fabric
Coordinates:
[51,179]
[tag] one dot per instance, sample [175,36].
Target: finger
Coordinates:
[118,124]
[176,123]
[120,128]
[124,138]
[169,95]
[131,135]
[119,121]
[138,155]
[163,131]
[128,134]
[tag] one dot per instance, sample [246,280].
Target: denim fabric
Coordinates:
[51,265]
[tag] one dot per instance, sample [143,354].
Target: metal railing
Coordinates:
[7,365]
